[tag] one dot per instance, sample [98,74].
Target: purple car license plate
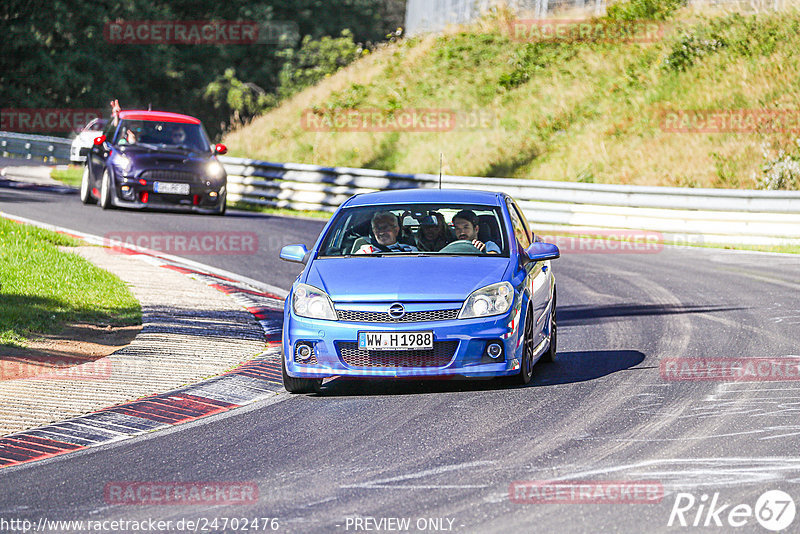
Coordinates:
[171,188]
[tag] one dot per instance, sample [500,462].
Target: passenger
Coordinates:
[115,109]
[466,225]
[385,230]
[129,137]
[433,234]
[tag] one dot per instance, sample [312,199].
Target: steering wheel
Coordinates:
[462,246]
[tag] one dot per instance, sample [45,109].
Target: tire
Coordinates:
[299,385]
[222,207]
[106,191]
[86,188]
[528,345]
[550,355]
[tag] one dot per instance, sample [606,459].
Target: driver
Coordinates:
[466,226]
[385,228]
[178,136]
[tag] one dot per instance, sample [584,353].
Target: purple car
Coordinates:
[155,159]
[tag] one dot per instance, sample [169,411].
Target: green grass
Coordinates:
[279,211]
[70,176]
[44,288]
[570,111]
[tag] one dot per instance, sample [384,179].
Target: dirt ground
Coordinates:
[77,344]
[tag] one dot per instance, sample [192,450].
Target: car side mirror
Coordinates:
[220,149]
[540,251]
[99,140]
[295,253]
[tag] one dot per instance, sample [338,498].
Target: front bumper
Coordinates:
[469,337]
[131,193]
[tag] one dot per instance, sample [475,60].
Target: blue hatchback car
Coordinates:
[420,283]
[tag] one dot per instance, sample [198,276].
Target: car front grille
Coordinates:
[439,356]
[170,176]
[383,317]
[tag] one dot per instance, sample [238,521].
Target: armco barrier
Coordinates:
[711,215]
[35,147]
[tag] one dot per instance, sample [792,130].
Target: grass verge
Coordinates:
[279,211]
[69,176]
[43,288]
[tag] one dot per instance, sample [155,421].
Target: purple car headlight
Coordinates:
[308,301]
[215,170]
[491,300]
[124,163]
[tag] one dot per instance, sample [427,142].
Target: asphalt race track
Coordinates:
[445,455]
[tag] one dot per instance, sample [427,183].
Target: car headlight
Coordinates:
[308,301]
[124,163]
[487,301]
[215,170]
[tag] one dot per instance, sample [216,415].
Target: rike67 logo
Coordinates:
[774,510]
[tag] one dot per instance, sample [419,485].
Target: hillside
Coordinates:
[581,110]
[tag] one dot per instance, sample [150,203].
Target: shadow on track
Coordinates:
[569,367]
[581,315]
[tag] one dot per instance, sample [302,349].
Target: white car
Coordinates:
[85,139]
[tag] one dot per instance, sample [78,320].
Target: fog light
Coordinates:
[213,194]
[303,352]
[127,192]
[494,350]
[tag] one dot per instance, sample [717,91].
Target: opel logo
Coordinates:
[396,311]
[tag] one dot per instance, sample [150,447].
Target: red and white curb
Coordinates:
[255,380]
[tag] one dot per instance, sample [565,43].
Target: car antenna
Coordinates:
[441,156]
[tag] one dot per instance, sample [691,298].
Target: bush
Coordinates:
[315,60]
[643,9]
[688,49]
[781,171]
[531,58]
[240,101]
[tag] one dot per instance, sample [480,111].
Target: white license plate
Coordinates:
[395,340]
[171,188]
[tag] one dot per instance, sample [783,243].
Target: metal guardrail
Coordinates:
[692,215]
[35,147]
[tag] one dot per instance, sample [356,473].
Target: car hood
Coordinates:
[142,157]
[407,279]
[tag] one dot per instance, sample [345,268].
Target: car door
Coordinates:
[98,154]
[537,277]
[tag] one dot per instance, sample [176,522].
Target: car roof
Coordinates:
[454,196]
[165,116]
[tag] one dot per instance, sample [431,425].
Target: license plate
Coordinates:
[171,188]
[395,340]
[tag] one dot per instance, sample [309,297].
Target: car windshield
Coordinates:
[413,229]
[163,135]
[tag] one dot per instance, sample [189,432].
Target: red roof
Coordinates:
[165,116]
